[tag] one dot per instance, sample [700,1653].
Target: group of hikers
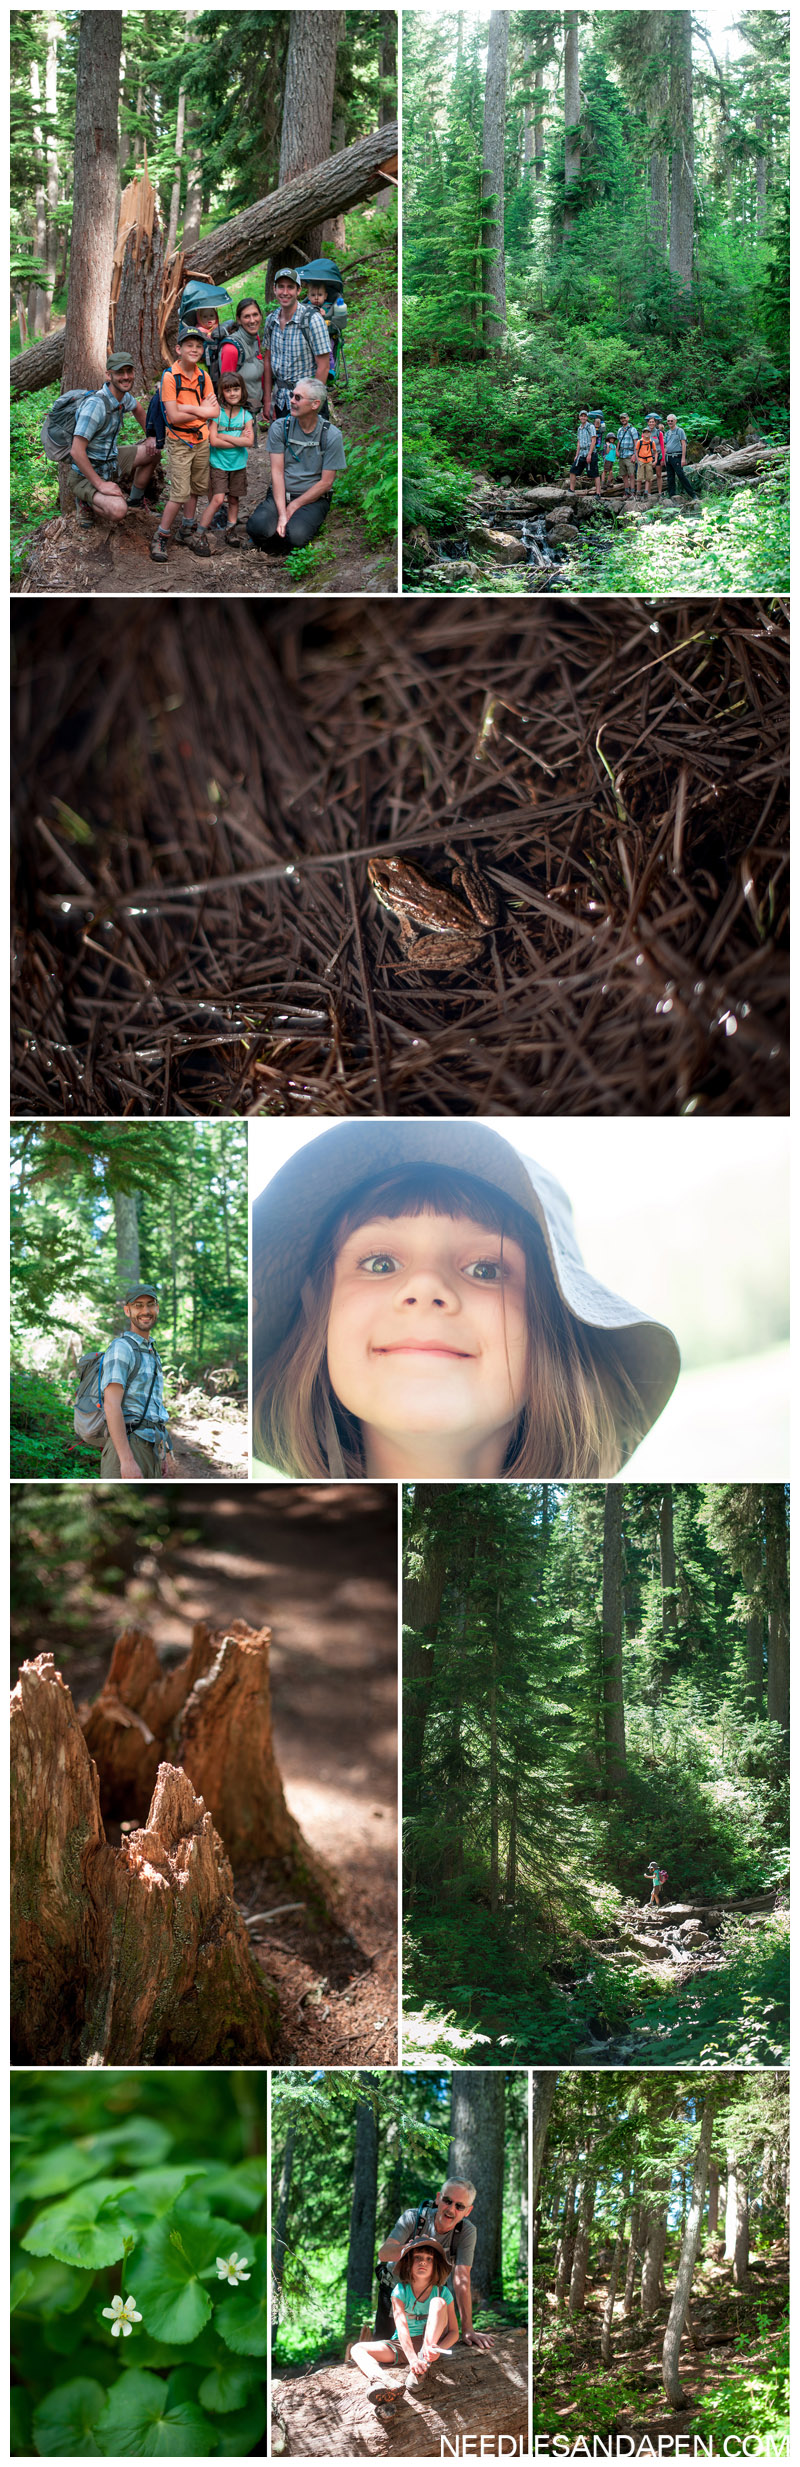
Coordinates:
[204,419]
[639,456]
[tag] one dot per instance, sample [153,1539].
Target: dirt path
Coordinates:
[214,1445]
[64,558]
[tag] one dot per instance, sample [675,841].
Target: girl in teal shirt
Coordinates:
[425,2322]
[230,436]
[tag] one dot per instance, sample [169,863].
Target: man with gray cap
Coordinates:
[98,461]
[296,344]
[138,1445]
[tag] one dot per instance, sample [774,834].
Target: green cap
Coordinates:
[289,273]
[117,361]
[134,1292]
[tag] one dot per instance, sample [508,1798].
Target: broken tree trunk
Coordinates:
[135,313]
[271,224]
[469,2393]
[130,1956]
[746,458]
[212,1716]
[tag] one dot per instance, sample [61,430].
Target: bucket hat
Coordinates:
[310,1191]
[422,2244]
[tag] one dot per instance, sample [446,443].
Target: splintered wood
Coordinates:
[205,940]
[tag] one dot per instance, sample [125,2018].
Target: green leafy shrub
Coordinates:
[139,2275]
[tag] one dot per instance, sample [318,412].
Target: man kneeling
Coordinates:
[99,462]
[305,454]
[425,2322]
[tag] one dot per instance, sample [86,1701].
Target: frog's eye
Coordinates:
[485,1271]
[378,1263]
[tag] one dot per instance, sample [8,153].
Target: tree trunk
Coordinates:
[741,2246]
[388,102]
[130,1956]
[754,1647]
[666,1549]
[580,2258]
[423,1586]
[544,2091]
[175,199]
[683,2283]
[634,2259]
[713,2197]
[23,318]
[314,36]
[363,2209]
[606,2335]
[777,1590]
[37,295]
[653,2264]
[193,208]
[654,35]
[477,2118]
[731,2208]
[493,180]
[327,2414]
[51,151]
[681,220]
[260,231]
[333,238]
[94,197]
[126,1232]
[572,112]
[494,1811]
[538,124]
[566,2246]
[510,1891]
[280,2216]
[137,310]
[212,1716]
[613,1701]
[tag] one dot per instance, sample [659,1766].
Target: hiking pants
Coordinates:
[145,1451]
[675,471]
[301,527]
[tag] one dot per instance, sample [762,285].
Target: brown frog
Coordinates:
[454,932]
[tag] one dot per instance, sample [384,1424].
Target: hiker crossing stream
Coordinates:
[673,1946]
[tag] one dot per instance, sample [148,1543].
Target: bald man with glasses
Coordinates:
[448,2219]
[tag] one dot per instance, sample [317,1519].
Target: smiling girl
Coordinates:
[425,2323]
[422,1309]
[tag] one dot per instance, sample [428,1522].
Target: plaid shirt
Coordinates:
[123,1361]
[292,352]
[98,423]
[627,439]
[587,437]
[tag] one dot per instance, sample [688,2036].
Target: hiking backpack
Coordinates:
[323,435]
[155,424]
[88,1418]
[211,355]
[58,426]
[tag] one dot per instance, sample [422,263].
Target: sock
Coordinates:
[136,496]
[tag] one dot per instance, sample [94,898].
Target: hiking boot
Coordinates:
[185,529]
[158,548]
[199,544]
[220,522]
[235,537]
[85,516]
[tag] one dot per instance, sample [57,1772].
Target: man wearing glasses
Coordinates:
[447,2218]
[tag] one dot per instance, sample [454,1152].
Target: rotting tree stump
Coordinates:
[470,2393]
[129,1956]
[212,1716]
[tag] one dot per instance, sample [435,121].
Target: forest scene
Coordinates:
[212,1876]
[661,2263]
[351,2156]
[93,1211]
[596,1687]
[138,2265]
[596,237]
[151,147]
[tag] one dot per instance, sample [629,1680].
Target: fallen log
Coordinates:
[469,2394]
[129,1956]
[745,458]
[331,188]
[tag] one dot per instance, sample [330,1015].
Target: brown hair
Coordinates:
[424,2244]
[582,1416]
[230,376]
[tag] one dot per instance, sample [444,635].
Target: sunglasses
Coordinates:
[446,2203]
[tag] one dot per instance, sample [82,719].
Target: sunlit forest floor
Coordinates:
[210,1435]
[735,2377]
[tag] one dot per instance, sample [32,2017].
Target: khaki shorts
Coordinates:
[187,469]
[81,488]
[627,464]
[227,483]
[148,1458]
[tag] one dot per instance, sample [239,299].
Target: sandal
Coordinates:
[158,548]
[199,544]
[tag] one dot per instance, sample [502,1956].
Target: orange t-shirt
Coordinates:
[192,390]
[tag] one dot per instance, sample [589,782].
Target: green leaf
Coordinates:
[236,2436]
[64,2423]
[143,2418]
[139,2142]
[164,2275]
[21,2436]
[55,2288]
[227,2387]
[22,2280]
[241,2318]
[73,2231]
[242,2189]
[157,2190]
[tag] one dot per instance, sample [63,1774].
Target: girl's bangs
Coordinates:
[429,1190]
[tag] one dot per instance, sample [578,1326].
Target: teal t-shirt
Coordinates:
[418,2307]
[231,457]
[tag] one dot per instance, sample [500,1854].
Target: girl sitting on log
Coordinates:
[424,2318]
[422,1309]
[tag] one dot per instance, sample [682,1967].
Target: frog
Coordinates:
[455,929]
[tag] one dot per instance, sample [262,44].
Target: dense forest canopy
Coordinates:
[595,1679]
[626,244]
[660,2213]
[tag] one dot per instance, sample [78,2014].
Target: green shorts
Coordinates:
[83,490]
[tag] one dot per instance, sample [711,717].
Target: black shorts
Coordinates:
[586,463]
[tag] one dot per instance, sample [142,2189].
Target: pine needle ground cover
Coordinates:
[138,2265]
[194,926]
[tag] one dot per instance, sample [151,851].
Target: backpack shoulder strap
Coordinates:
[324,435]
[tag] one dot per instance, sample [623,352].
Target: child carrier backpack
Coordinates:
[88,1418]
[225,334]
[58,426]
[198,294]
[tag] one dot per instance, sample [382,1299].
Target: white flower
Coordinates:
[122,2315]
[233,2269]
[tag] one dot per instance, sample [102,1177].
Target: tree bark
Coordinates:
[136,317]
[493,181]
[477,2120]
[262,229]
[580,2258]
[666,1549]
[653,2263]
[777,1590]
[130,1956]
[37,294]
[606,2335]
[467,2395]
[713,2197]
[424,1581]
[681,220]
[281,2213]
[572,111]
[93,205]
[175,199]
[51,151]
[613,1701]
[363,2209]
[193,208]
[544,2091]
[634,2259]
[655,36]
[566,2246]
[126,1234]
[683,2283]
[308,100]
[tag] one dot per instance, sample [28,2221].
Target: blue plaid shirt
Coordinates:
[98,423]
[125,1361]
[292,352]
